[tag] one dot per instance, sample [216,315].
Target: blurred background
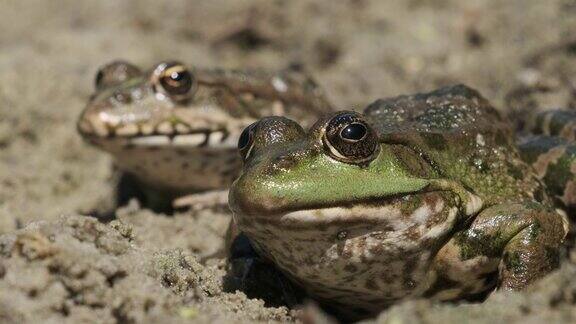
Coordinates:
[517,53]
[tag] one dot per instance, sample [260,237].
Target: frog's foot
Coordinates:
[534,250]
[519,242]
[198,201]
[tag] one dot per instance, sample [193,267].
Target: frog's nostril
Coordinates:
[282,163]
[122,98]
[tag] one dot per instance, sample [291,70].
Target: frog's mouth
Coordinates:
[200,138]
[162,135]
[345,212]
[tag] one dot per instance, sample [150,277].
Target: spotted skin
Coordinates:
[443,208]
[552,152]
[175,129]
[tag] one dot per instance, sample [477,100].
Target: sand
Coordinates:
[58,264]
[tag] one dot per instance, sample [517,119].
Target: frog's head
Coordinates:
[349,216]
[163,123]
[154,108]
[339,162]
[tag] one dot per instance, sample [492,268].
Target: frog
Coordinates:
[172,129]
[419,196]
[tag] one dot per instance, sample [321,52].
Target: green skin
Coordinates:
[444,207]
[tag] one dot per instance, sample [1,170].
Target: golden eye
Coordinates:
[350,139]
[175,80]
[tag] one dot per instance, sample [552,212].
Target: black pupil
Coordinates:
[244,138]
[177,82]
[354,132]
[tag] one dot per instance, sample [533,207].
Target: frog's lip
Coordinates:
[281,213]
[362,212]
[133,135]
[214,140]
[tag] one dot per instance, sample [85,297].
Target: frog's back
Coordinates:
[463,137]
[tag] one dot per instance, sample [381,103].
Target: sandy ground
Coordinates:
[56,264]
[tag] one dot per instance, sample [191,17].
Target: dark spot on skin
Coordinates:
[413,233]
[167,159]
[434,141]
[181,152]
[474,242]
[350,268]
[370,284]
[185,165]
[514,171]
[534,230]
[539,194]
[410,266]
[513,262]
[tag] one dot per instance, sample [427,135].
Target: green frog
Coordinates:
[424,195]
[174,129]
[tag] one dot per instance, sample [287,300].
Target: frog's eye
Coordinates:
[350,139]
[174,79]
[115,73]
[246,141]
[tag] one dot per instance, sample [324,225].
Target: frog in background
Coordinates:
[173,129]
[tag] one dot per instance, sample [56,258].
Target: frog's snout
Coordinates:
[243,199]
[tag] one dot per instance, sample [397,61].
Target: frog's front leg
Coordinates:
[519,242]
